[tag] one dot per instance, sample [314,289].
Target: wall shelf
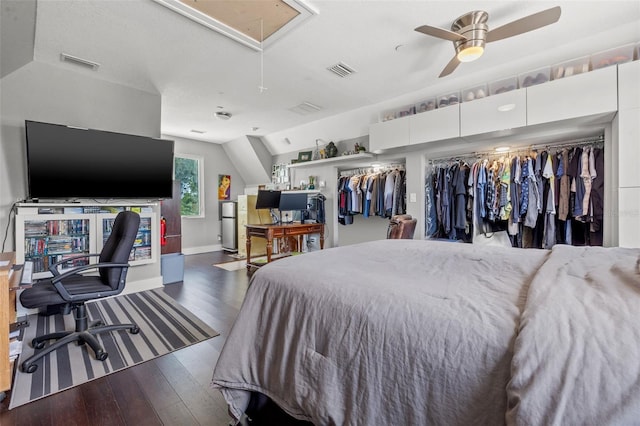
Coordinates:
[338,159]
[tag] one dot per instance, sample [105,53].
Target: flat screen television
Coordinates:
[65,162]
[267,199]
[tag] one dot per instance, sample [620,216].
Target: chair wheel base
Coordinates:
[134,330]
[29,368]
[101,355]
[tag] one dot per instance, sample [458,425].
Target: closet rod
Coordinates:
[576,142]
[560,144]
[371,169]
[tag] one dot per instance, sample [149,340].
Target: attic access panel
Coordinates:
[245,21]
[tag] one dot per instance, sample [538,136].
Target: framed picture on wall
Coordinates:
[224,187]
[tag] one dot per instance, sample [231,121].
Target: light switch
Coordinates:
[412,197]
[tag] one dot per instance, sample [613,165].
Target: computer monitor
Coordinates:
[296,201]
[268,199]
[293,201]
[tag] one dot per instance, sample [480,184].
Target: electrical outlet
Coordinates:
[413,197]
[219,237]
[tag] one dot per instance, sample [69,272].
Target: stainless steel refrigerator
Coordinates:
[229,226]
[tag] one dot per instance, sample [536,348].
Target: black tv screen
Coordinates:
[267,199]
[65,162]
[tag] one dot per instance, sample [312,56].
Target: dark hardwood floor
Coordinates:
[169,390]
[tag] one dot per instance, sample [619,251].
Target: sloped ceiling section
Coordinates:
[17,34]
[247,161]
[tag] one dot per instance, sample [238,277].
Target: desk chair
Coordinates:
[401,226]
[71,289]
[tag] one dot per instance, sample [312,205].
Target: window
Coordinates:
[188,171]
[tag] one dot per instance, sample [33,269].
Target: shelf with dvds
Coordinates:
[143,248]
[49,232]
[47,239]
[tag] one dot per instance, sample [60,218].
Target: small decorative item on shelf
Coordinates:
[304,156]
[316,152]
[312,182]
[332,150]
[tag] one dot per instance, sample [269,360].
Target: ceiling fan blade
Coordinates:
[526,24]
[440,33]
[451,66]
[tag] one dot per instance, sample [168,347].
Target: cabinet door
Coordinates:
[45,239]
[170,210]
[435,125]
[581,95]
[628,213]
[629,85]
[628,147]
[497,112]
[146,244]
[389,134]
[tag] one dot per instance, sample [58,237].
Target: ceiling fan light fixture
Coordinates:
[470,54]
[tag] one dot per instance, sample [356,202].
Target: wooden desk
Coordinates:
[269,232]
[9,282]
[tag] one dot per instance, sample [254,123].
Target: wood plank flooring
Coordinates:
[168,390]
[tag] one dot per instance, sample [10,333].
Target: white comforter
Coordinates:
[421,332]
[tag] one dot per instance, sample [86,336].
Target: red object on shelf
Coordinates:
[163,231]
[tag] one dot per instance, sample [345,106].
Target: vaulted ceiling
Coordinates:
[276,86]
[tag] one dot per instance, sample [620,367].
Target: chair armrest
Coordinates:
[53,268]
[62,290]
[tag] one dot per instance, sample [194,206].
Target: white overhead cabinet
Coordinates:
[389,134]
[506,110]
[436,125]
[581,95]
[629,85]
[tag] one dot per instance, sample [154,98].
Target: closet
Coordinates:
[538,197]
[368,192]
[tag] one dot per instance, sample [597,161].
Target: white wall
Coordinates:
[201,234]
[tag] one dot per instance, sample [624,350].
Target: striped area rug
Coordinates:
[165,326]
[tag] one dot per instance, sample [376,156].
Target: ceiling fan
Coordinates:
[470,32]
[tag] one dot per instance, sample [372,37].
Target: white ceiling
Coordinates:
[143,44]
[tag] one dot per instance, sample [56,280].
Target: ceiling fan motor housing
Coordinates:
[473,27]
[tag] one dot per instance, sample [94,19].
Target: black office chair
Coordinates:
[71,289]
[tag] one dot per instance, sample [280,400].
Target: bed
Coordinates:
[428,332]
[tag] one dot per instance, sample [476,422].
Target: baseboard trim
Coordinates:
[142,285]
[202,249]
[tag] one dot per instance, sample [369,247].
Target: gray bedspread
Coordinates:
[392,332]
[404,332]
[577,354]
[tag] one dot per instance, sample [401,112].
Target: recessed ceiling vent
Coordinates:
[341,70]
[305,108]
[79,61]
[222,115]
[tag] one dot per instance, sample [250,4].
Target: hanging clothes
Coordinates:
[541,199]
[370,193]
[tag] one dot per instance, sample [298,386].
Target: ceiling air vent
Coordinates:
[79,61]
[305,108]
[341,69]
